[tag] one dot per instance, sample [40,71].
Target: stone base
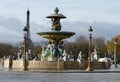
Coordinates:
[54,64]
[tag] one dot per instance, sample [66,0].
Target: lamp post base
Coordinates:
[89,69]
[25,66]
[25,69]
[115,65]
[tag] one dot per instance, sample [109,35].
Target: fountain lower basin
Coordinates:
[56,35]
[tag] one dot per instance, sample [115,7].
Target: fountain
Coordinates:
[55,48]
[54,56]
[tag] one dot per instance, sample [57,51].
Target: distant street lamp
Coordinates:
[24,57]
[115,52]
[89,68]
[73,52]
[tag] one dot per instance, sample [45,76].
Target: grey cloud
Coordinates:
[11,29]
[100,29]
[11,23]
[106,29]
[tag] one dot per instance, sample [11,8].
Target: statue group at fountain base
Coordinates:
[54,52]
[51,57]
[51,53]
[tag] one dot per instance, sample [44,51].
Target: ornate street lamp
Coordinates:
[115,52]
[24,57]
[89,68]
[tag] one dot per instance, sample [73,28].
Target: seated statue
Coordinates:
[48,50]
[55,51]
[94,55]
[20,54]
[79,56]
[39,56]
[29,54]
[65,57]
[61,48]
[43,55]
[36,58]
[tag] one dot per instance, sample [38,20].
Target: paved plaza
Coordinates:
[58,77]
[75,76]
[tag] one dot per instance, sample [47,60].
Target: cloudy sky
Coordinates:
[103,15]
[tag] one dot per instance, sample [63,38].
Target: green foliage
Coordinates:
[72,48]
[81,44]
[111,45]
[101,46]
[37,50]
[7,49]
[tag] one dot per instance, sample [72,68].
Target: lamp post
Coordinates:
[115,52]
[24,57]
[89,68]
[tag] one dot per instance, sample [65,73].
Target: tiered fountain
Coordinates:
[52,57]
[55,48]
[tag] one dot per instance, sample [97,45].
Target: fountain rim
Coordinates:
[56,33]
[56,16]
